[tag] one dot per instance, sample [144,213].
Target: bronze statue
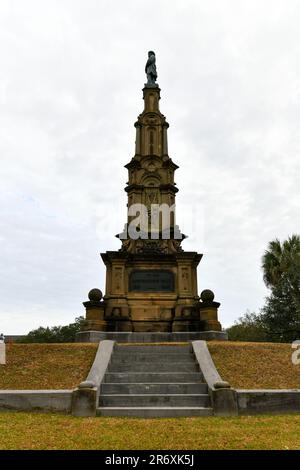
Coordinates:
[150,70]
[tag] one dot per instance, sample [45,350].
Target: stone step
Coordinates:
[153,349]
[199,400]
[149,351]
[153,377]
[157,358]
[161,388]
[153,367]
[154,412]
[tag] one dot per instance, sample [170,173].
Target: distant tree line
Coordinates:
[279,318]
[55,334]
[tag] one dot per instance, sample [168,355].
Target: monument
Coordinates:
[151,282]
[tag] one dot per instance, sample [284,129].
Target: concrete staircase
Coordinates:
[153,381]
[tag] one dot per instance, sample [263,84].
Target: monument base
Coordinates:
[149,337]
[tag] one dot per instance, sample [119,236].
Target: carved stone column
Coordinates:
[95,312]
[209,312]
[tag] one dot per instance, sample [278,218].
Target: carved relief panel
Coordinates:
[185,279]
[118,279]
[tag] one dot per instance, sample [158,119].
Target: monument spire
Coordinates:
[151,283]
[151,177]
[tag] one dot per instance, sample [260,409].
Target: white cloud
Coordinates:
[71,78]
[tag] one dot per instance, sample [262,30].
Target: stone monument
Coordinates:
[151,282]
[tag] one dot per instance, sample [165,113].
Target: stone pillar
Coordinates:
[224,400]
[138,139]
[151,98]
[2,351]
[95,312]
[165,139]
[84,400]
[209,312]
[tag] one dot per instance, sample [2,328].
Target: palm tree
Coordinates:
[272,263]
[283,259]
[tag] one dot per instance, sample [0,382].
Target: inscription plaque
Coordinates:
[151,281]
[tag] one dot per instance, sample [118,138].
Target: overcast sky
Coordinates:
[71,79]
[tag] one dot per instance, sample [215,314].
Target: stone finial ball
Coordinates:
[207,295]
[95,295]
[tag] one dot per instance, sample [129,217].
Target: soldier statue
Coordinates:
[150,70]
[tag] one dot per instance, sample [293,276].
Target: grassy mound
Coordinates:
[256,365]
[59,366]
[46,366]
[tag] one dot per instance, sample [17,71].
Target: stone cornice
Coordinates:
[134,163]
[171,257]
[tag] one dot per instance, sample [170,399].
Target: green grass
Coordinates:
[49,431]
[256,365]
[46,366]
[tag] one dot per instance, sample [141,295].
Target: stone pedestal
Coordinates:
[150,337]
[208,310]
[151,292]
[95,312]
[149,322]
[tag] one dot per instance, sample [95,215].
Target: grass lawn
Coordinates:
[255,365]
[59,366]
[244,365]
[46,366]
[49,431]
